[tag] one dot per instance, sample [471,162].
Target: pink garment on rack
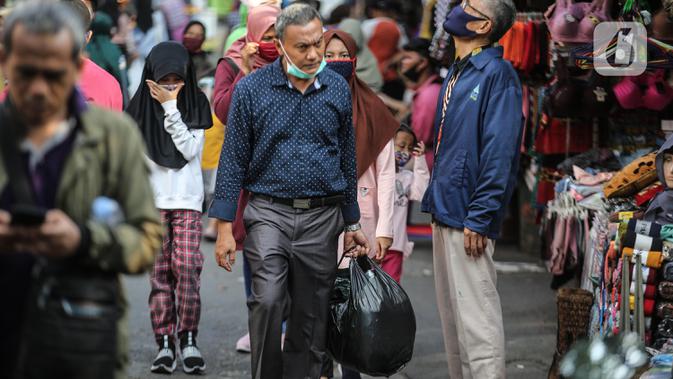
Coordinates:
[571,242]
[584,178]
[558,258]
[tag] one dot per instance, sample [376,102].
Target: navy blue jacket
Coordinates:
[476,166]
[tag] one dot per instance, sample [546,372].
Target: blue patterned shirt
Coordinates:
[286,144]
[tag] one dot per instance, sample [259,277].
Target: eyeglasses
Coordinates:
[466,4]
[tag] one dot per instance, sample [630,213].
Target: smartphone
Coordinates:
[27,215]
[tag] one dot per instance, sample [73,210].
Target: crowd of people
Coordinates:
[304,143]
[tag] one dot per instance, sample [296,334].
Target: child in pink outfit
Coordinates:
[409,185]
[376,194]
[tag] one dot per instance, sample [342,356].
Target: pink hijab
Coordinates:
[260,19]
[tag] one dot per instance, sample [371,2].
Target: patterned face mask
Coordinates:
[402,158]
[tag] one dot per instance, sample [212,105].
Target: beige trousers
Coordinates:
[469,307]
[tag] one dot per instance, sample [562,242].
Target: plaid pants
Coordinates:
[176,277]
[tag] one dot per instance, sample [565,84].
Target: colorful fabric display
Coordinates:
[648,193]
[667,232]
[651,259]
[666,290]
[641,242]
[616,216]
[645,228]
[665,309]
[648,305]
[648,248]
[668,271]
[649,290]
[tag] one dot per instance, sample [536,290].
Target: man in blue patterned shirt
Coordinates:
[290,142]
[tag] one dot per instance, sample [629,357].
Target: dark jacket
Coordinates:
[107,159]
[476,165]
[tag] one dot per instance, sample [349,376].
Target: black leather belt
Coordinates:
[310,203]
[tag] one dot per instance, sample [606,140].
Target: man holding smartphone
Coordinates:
[63,309]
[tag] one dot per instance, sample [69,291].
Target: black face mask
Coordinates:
[412,74]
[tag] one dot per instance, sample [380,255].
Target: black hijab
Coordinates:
[164,59]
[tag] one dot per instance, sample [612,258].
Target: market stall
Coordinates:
[591,144]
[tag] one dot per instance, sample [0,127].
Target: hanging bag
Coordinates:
[371,326]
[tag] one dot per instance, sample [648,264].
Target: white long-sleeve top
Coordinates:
[409,186]
[179,188]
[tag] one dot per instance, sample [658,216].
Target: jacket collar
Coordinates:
[481,56]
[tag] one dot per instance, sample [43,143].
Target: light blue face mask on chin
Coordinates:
[293,70]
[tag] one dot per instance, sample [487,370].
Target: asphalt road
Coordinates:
[528,305]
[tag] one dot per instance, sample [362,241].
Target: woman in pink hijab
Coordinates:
[246,55]
[255,50]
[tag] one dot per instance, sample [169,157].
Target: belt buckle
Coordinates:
[301,203]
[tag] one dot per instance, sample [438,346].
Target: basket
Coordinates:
[574,314]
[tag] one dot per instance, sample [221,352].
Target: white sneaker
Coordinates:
[165,362]
[192,360]
[243,344]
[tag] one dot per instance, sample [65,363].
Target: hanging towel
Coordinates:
[667,232]
[644,227]
[652,259]
[641,242]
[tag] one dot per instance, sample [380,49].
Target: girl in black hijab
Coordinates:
[172,114]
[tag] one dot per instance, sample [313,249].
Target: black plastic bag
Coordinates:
[372,326]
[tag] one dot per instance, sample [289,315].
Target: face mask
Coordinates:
[192,44]
[402,158]
[296,72]
[268,51]
[169,87]
[343,67]
[456,22]
[412,74]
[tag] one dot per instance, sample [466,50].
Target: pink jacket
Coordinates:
[409,186]
[376,197]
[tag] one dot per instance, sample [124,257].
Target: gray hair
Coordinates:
[503,15]
[296,14]
[45,18]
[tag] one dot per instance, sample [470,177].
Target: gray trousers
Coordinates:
[469,307]
[292,255]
